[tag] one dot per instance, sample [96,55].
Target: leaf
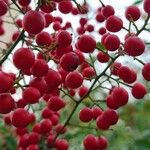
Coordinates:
[137,2]
[11,143]
[100,46]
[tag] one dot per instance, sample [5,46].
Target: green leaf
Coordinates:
[100,46]
[11,143]
[137,2]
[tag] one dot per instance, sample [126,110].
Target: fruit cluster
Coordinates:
[46,40]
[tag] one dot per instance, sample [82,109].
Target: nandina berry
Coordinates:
[47,113]
[83,91]
[6,82]
[102,143]
[3,8]
[54,119]
[21,131]
[134,46]
[62,144]
[139,90]
[33,147]
[63,38]
[43,39]
[127,75]
[111,116]
[23,58]
[7,119]
[88,73]
[90,28]
[39,83]
[53,80]
[146,6]
[86,114]
[111,103]
[132,13]
[31,95]
[39,68]
[50,140]
[96,112]
[45,126]
[7,103]
[15,35]
[49,19]
[56,27]
[80,55]
[90,142]
[74,80]
[33,22]
[23,141]
[65,6]
[69,61]
[146,71]
[107,11]
[114,24]
[24,3]
[60,129]
[115,68]
[120,95]
[48,7]
[34,138]
[86,44]
[20,118]
[102,57]
[102,31]
[21,103]
[112,42]
[55,103]
[100,17]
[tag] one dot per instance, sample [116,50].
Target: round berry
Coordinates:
[65,6]
[108,11]
[3,8]
[146,71]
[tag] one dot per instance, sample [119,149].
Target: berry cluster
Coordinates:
[55,61]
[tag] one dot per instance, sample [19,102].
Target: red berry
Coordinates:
[31,95]
[115,68]
[86,44]
[74,80]
[146,71]
[33,22]
[90,142]
[112,42]
[146,6]
[55,103]
[100,17]
[102,57]
[33,147]
[63,38]
[20,118]
[43,39]
[114,24]
[86,114]
[132,13]
[134,46]
[62,144]
[139,90]
[23,58]
[39,68]
[7,103]
[69,61]
[102,143]
[45,126]
[34,138]
[3,8]
[88,73]
[48,7]
[111,103]
[108,11]
[83,91]
[65,6]
[96,112]
[24,3]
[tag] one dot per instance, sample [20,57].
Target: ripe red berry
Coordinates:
[102,143]
[90,142]
[120,95]
[111,103]
[43,39]
[65,6]
[33,22]
[134,46]
[86,114]
[20,118]
[114,24]
[112,42]
[55,103]
[146,71]
[96,112]
[6,82]
[33,147]
[24,3]
[62,144]
[107,11]
[86,44]
[146,6]
[45,126]
[23,58]
[139,90]
[74,80]
[69,61]
[53,80]
[31,95]
[34,138]
[132,13]
[48,7]
[83,91]
[115,68]
[39,68]
[63,38]
[102,57]
[100,17]
[3,8]
[7,103]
